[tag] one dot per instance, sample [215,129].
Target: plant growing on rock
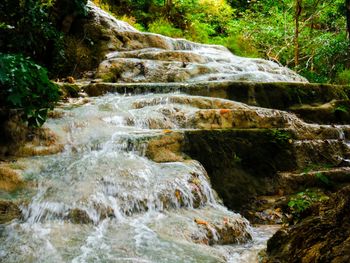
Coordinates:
[302,201]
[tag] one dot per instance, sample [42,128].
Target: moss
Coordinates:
[281,136]
[113,75]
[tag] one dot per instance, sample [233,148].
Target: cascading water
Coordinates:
[136,56]
[102,200]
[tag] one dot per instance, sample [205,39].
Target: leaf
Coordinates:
[323,178]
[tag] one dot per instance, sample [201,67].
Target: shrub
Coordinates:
[164,27]
[25,86]
[343,77]
[33,28]
[199,32]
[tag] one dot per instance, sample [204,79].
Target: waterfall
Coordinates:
[146,57]
[103,200]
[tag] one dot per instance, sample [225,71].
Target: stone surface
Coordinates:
[10,180]
[225,232]
[322,237]
[8,211]
[166,148]
[240,163]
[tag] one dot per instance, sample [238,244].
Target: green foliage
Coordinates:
[323,178]
[301,201]
[164,27]
[343,77]
[236,159]
[314,167]
[32,28]
[25,86]
[29,31]
[281,136]
[342,108]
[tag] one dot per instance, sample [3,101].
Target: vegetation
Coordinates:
[303,200]
[309,36]
[25,86]
[34,29]
[280,136]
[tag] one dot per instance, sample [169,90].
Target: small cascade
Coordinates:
[124,190]
[102,199]
[139,57]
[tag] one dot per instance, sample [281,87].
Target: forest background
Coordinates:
[308,36]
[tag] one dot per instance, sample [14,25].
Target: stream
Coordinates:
[103,200]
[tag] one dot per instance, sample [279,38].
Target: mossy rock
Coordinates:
[78,216]
[337,111]
[69,90]
[322,236]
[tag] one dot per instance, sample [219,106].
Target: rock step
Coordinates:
[322,177]
[335,111]
[277,95]
[319,103]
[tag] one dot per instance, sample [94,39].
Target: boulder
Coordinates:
[323,236]
[10,180]
[221,232]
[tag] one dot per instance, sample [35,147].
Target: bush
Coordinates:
[25,86]
[33,28]
[164,27]
[343,77]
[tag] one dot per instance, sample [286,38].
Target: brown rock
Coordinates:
[322,237]
[225,232]
[10,180]
[8,211]
[166,148]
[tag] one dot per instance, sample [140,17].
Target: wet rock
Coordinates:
[8,211]
[323,236]
[336,177]
[241,163]
[224,232]
[327,152]
[335,111]
[69,90]
[78,216]
[40,141]
[166,148]
[266,210]
[10,180]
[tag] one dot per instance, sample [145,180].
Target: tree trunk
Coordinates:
[298,9]
[347,6]
[168,6]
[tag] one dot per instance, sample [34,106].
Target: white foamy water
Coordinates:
[148,57]
[103,200]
